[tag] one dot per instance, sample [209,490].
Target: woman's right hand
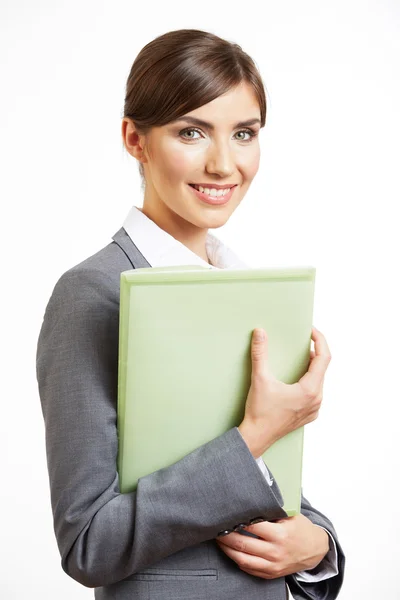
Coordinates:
[274,408]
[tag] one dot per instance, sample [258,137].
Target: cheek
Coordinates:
[177,165]
[252,164]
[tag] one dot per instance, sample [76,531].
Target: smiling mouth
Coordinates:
[213,192]
[216,198]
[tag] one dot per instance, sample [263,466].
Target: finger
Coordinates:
[249,561]
[315,374]
[320,344]
[267,530]
[259,348]
[247,544]
[261,574]
[274,573]
[259,353]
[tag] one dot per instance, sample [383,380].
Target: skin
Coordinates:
[173,156]
[274,408]
[171,161]
[286,546]
[292,544]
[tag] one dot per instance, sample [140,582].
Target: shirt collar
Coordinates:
[162,249]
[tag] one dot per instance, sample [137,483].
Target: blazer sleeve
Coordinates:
[104,536]
[327,588]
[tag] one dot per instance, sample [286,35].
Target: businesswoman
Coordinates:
[211,525]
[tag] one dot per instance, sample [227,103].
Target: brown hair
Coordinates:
[182,70]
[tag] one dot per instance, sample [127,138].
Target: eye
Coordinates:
[250,132]
[181,133]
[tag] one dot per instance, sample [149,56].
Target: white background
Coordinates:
[326,194]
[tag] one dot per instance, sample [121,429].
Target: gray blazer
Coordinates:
[158,542]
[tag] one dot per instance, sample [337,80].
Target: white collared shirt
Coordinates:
[161,249]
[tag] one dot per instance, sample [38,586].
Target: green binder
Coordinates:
[185,362]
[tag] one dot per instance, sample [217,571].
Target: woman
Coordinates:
[211,525]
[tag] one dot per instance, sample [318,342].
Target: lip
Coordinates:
[212,199]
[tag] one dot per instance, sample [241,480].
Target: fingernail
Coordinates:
[259,335]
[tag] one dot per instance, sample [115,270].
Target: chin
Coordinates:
[211,218]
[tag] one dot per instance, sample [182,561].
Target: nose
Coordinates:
[220,159]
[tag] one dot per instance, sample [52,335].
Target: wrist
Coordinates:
[255,442]
[323,540]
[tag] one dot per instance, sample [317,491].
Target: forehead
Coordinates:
[237,104]
[238,107]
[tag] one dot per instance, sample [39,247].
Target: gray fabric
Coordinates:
[157,542]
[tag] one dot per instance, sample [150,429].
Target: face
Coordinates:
[213,146]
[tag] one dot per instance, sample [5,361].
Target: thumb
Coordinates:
[258,348]
[259,353]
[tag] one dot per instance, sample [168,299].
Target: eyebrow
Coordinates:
[207,125]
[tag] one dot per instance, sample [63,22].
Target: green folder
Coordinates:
[185,362]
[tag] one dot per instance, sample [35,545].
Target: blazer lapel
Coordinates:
[133,253]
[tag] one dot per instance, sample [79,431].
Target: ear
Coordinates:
[133,141]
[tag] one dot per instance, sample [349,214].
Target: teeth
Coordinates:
[212,191]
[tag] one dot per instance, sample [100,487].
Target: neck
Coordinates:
[194,238]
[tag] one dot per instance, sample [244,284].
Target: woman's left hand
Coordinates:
[287,546]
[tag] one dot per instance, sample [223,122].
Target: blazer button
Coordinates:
[224,532]
[256,520]
[239,526]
